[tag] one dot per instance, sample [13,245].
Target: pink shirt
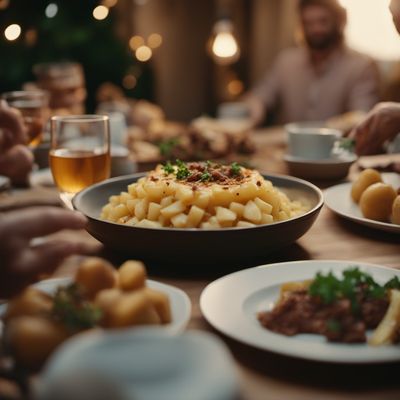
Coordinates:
[347,81]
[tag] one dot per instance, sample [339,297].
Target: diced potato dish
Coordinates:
[201,195]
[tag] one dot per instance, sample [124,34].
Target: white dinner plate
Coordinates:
[338,199]
[180,302]
[230,304]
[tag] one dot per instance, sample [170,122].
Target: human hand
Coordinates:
[12,130]
[382,123]
[17,163]
[22,262]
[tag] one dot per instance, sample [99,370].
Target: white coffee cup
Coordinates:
[310,141]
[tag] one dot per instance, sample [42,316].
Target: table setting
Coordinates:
[329,237]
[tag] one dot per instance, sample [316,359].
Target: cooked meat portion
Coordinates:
[298,312]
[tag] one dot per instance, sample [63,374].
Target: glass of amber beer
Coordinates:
[79,152]
[33,106]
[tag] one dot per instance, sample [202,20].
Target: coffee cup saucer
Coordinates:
[335,167]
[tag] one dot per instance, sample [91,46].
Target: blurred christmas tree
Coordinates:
[67,30]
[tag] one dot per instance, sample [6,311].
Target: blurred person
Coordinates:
[383,122]
[22,261]
[319,79]
[16,160]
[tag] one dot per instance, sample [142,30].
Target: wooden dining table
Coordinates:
[264,374]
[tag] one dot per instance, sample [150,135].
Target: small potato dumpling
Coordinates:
[161,303]
[396,211]
[133,308]
[132,275]
[32,339]
[95,274]
[105,300]
[30,302]
[365,179]
[376,201]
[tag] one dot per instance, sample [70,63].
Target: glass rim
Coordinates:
[80,118]
[24,93]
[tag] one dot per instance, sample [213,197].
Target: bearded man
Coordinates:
[321,77]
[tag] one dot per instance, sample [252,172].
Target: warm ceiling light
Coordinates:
[154,40]
[224,47]
[143,53]
[12,32]
[51,10]
[135,42]
[100,12]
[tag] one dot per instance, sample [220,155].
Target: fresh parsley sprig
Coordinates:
[183,171]
[236,169]
[329,288]
[205,176]
[168,168]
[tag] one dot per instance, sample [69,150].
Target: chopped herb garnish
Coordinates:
[183,171]
[236,169]
[205,176]
[326,287]
[73,310]
[354,283]
[168,168]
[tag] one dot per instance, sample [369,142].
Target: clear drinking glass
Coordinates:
[79,152]
[34,107]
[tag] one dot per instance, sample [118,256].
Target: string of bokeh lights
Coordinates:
[222,45]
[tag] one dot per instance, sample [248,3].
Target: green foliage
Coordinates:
[72,35]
